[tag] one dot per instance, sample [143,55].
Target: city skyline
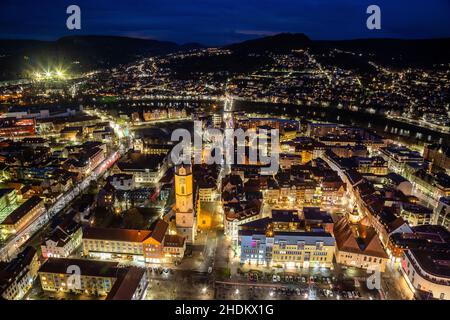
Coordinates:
[278,168]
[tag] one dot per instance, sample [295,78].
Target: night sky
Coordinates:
[214,22]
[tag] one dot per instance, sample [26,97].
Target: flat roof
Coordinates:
[125,235]
[436,263]
[157,232]
[92,268]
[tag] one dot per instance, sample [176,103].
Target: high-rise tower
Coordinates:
[184,206]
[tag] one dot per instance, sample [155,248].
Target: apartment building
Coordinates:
[138,245]
[23,215]
[91,277]
[17,278]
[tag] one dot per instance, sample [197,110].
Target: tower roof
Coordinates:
[183,170]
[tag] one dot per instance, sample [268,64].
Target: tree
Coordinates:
[133,219]
[93,187]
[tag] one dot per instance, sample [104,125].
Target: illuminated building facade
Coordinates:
[25,214]
[427,271]
[359,246]
[150,246]
[16,279]
[283,241]
[442,212]
[96,278]
[11,127]
[287,249]
[8,201]
[184,206]
[63,240]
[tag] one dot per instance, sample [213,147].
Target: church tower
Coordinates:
[184,206]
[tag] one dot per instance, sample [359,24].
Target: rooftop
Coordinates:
[125,286]
[92,268]
[141,162]
[22,210]
[434,263]
[174,241]
[126,235]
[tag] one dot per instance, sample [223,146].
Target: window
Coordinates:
[319,245]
